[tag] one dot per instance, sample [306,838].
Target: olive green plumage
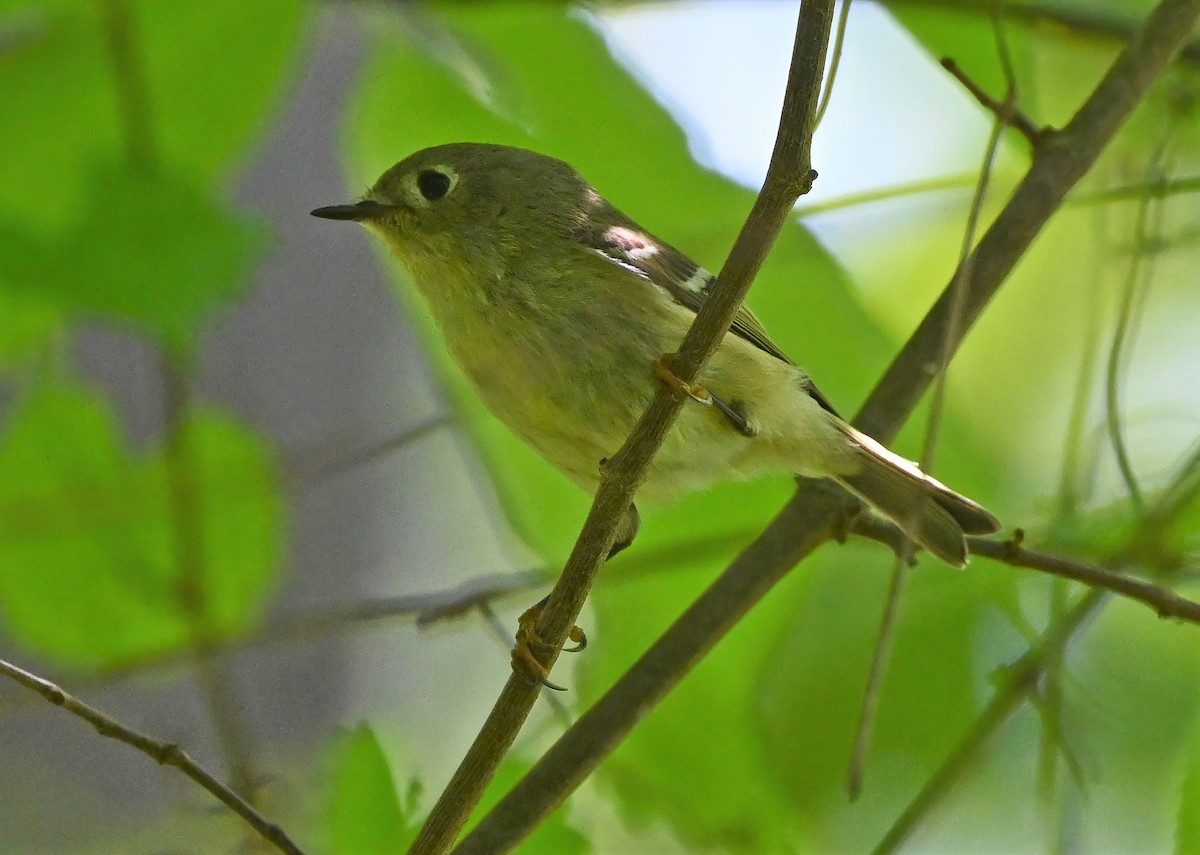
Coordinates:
[557,307]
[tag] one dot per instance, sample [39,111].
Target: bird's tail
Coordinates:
[927,510]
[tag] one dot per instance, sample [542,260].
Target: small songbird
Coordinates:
[559,308]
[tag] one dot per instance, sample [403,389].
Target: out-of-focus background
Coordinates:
[235,466]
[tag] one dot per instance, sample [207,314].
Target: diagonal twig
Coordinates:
[1005,111]
[1013,552]
[788,177]
[165,753]
[811,517]
[1024,676]
[880,660]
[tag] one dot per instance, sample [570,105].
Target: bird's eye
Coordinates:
[433,184]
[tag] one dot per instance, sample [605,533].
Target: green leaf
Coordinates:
[1187,829]
[89,559]
[212,74]
[366,816]
[204,78]
[158,253]
[28,322]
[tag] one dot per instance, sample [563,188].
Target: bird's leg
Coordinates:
[527,639]
[523,657]
[662,370]
[734,411]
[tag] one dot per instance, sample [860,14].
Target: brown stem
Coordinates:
[1165,602]
[1006,111]
[1083,19]
[166,753]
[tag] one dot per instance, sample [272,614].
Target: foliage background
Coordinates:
[192,375]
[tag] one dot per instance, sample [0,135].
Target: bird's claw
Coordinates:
[693,390]
[525,661]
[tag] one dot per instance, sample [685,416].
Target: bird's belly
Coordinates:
[577,405]
[579,421]
[569,414]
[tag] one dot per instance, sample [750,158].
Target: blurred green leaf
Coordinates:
[157,253]
[212,70]
[366,816]
[1187,830]
[210,73]
[88,569]
[27,323]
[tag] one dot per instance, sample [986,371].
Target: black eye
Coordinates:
[433,184]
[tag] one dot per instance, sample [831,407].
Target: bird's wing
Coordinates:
[688,284]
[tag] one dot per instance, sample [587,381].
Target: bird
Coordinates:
[559,309]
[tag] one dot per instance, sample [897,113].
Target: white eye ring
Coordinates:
[434,183]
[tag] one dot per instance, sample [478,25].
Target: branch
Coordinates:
[1093,22]
[1165,602]
[1005,111]
[165,753]
[811,517]
[789,176]
[1025,676]
[1020,679]
[474,595]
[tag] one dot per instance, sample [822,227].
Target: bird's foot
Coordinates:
[524,658]
[662,370]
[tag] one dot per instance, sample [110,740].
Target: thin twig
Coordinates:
[308,467]
[903,565]
[1116,351]
[789,176]
[1082,19]
[812,516]
[165,753]
[887,193]
[864,731]
[1159,188]
[835,62]
[1019,680]
[1165,602]
[188,541]
[1179,496]
[427,608]
[1004,111]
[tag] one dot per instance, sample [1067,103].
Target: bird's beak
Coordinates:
[367,209]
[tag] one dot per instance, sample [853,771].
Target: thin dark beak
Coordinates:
[365,210]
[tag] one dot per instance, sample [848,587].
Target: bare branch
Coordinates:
[1005,111]
[1165,602]
[1084,20]
[891,612]
[165,753]
[1020,680]
[812,516]
[1031,669]
[789,176]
